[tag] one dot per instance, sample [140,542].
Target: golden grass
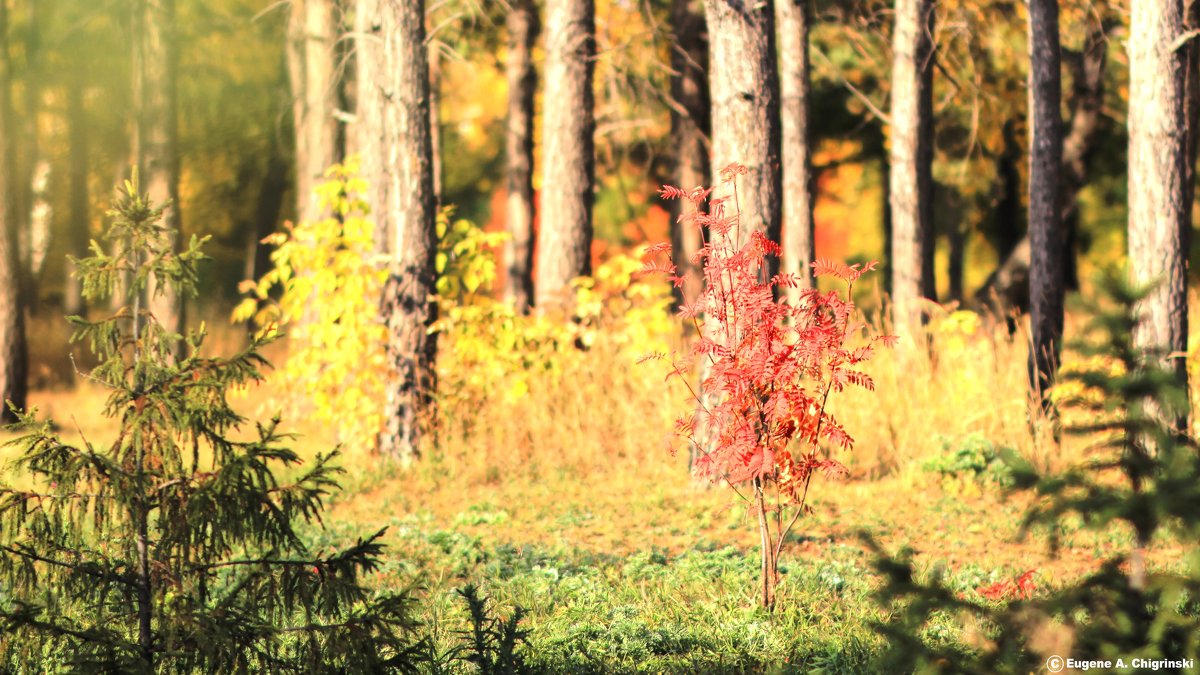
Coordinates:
[580,461]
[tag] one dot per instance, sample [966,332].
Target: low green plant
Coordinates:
[176,547]
[973,457]
[1140,473]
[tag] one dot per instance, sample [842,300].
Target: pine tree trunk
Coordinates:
[312,62]
[744,85]
[13,354]
[34,214]
[1159,222]
[912,162]
[689,138]
[798,227]
[393,119]
[435,120]
[568,124]
[158,160]
[523,28]
[1045,223]
[79,228]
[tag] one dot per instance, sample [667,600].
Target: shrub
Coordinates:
[768,369]
[323,290]
[175,547]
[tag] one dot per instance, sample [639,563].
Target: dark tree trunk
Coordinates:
[1045,222]
[799,232]
[1008,285]
[79,233]
[1159,222]
[157,157]
[523,28]
[269,206]
[912,162]
[565,236]
[690,127]
[744,85]
[14,365]
[393,104]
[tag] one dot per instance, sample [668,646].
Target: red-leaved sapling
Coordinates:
[766,368]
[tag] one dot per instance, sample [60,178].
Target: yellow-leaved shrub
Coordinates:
[323,293]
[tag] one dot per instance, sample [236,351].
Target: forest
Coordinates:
[598,336]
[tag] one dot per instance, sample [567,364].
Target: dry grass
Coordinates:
[580,461]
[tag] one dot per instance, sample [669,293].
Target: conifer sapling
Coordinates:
[176,546]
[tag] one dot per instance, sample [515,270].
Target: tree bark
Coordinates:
[393,105]
[523,28]
[14,363]
[799,231]
[1159,222]
[157,156]
[1045,222]
[912,162]
[744,85]
[79,227]
[690,127]
[1008,284]
[565,236]
[312,63]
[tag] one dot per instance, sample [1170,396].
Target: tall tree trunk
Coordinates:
[312,63]
[393,105]
[568,124]
[1191,22]
[523,28]
[266,214]
[79,227]
[33,217]
[435,119]
[912,162]
[14,365]
[689,137]
[1045,222]
[158,158]
[1159,222]
[1008,283]
[744,85]
[799,232]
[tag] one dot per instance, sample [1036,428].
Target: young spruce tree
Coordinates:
[174,548]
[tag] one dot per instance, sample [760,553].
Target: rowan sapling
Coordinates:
[766,368]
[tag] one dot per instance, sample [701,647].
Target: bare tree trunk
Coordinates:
[33,219]
[568,124]
[912,162]
[312,63]
[1191,22]
[266,214]
[1159,222]
[1045,222]
[158,158]
[14,365]
[689,138]
[393,104]
[435,119]
[799,231]
[1008,283]
[79,228]
[744,85]
[523,28]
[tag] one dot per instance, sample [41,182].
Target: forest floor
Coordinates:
[634,566]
